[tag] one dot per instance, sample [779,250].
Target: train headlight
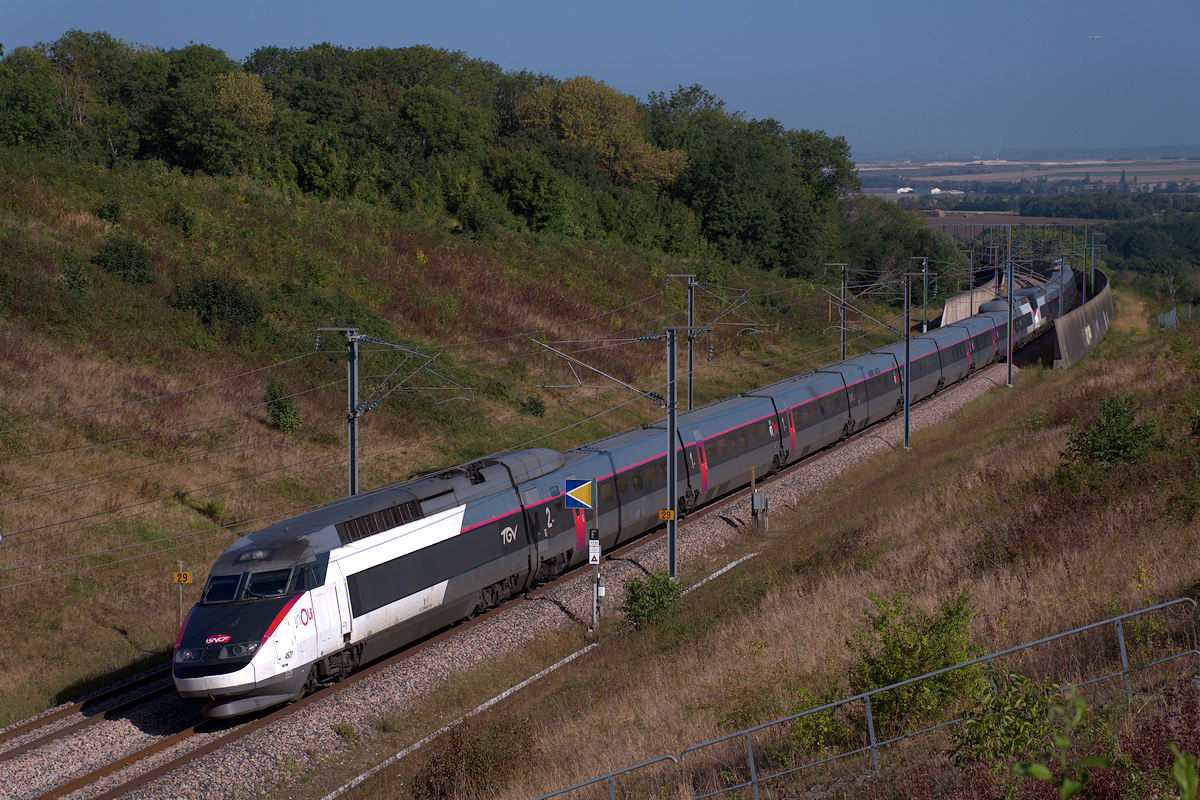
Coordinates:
[238,650]
[189,654]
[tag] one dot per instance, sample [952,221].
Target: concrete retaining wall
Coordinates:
[967,304]
[1080,330]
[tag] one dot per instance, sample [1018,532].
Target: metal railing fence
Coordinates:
[754,780]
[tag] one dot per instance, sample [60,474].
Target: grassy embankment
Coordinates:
[237,278]
[982,503]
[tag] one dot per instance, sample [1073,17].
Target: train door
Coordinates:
[327,619]
[791,423]
[337,607]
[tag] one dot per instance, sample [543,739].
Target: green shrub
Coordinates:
[217,297]
[76,275]
[1009,721]
[281,407]
[898,641]
[112,211]
[534,405]
[650,601]
[124,255]
[178,216]
[1067,720]
[814,732]
[1114,437]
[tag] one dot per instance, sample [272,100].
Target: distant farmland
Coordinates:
[1145,171]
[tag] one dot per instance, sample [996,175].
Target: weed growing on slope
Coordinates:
[125,256]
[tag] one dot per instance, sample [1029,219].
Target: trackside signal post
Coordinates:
[581,495]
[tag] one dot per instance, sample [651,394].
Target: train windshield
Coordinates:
[268,584]
[261,585]
[221,589]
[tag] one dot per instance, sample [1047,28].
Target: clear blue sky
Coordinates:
[889,76]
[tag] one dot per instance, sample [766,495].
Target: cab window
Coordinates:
[221,589]
[268,584]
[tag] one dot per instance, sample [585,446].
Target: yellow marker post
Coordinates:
[180,578]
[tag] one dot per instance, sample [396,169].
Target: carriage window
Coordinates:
[623,484]
[638,481]
[606,491]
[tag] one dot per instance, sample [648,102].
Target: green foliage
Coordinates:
[651,601]
[473,760]
[178,216]
[76,275]
[1010,720]
[817,731]
[220,298]
[345,731]
[534,405]
[31,114]
[898,641]
[1066,718]
[438,133]
[111,211]
[1115,436]
[215,510]
[1183,770]
[124,255]
[281,407]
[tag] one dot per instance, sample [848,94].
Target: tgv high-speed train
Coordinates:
[301,603]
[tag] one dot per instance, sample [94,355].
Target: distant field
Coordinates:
[1146,171]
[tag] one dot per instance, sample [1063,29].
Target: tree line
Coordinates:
[433,131]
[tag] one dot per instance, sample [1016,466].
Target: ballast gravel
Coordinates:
[266,763]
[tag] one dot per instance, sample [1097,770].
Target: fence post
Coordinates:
[750,761]
[1124,663]
[612,788]
[871,733]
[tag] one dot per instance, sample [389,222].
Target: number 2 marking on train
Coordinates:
[508,535]
[305,616]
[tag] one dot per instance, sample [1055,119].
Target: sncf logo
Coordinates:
[219,638]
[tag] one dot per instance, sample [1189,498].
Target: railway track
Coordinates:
[129,771]
[186,742]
